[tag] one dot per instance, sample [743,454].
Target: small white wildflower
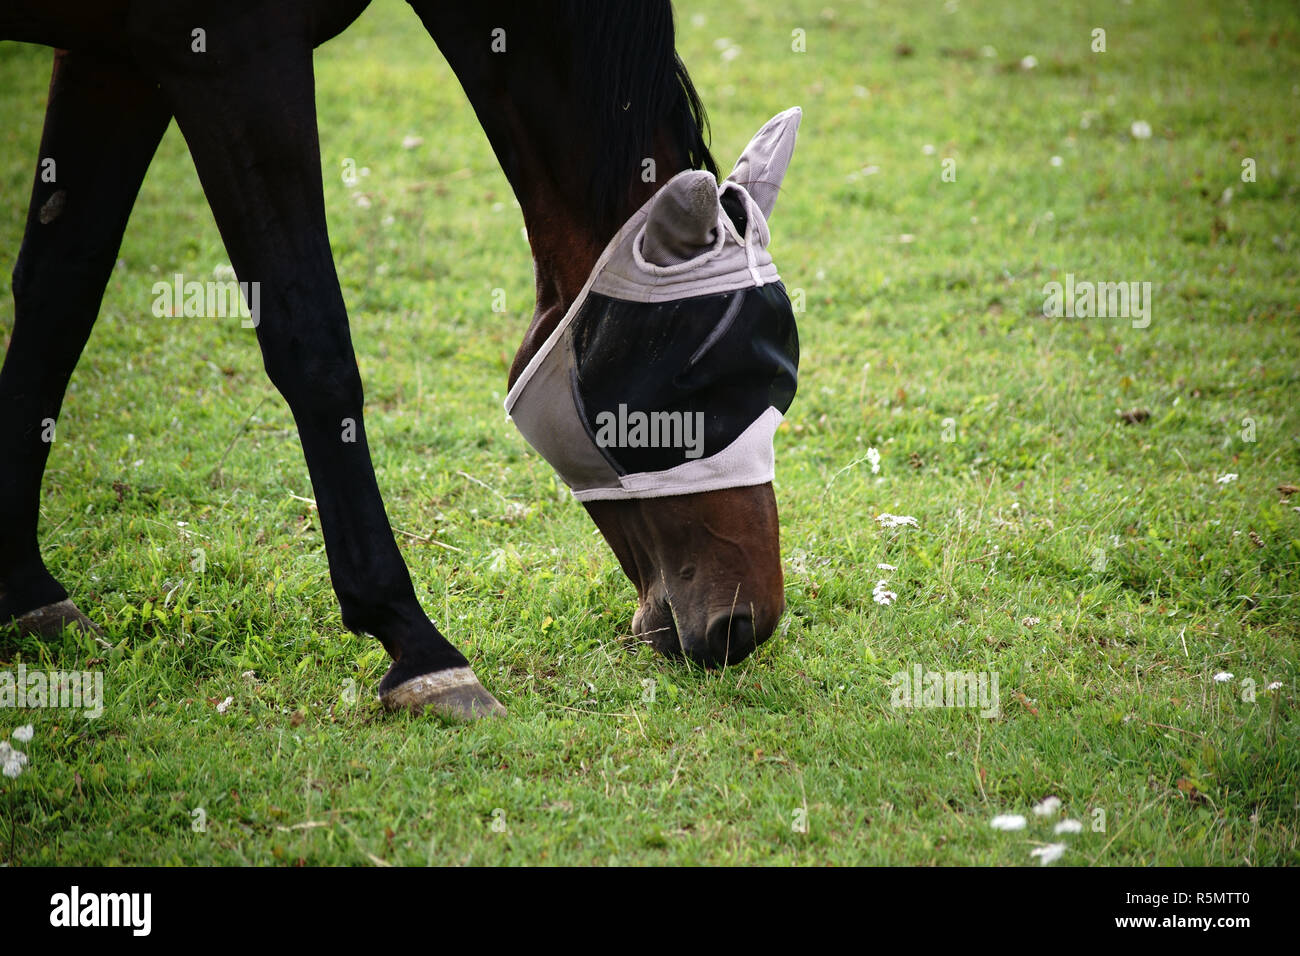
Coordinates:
[873,456]
[1032,622]
[410,142]
[225,705]
[928,149]
[1223,677]
[1008,821]
[1050,853]
[24,734]
[1029,62]
[730,53]
[1049,806]
[1056,160]
[1140,129]
[1276,685]
[896,521]
[516,511]
[1068,826]
[882,596]
[13,763]
[362,200]
[1227,479]
[885,567]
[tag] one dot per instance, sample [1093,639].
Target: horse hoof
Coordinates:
[50,621]
[454,693]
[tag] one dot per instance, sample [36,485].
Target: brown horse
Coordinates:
[573,97]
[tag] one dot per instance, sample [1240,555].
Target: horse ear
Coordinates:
[762,165]
[682,219]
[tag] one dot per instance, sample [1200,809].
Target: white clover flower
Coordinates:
[1008,821]
[1056,160]
[1029,62]
[1068,826]
[13,761]
[873,456]
[24,734]
[411,142]
[1050,853]
[928,149]
[1276,685]
[885,567]
[1140,129]
[1223,677]
[1227,479]
[882,596]
[896,521]
[225,705]
[1049,806]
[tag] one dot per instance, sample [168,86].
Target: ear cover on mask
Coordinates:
[670,372]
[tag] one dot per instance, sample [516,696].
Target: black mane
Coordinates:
[628,72]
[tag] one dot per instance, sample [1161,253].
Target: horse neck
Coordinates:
[525,102]
[567,238]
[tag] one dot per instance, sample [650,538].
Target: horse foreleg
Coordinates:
[249,119]
[103,122]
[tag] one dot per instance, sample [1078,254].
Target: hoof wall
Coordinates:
[50,621]
[454,693]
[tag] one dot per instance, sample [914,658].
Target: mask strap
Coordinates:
[753,215]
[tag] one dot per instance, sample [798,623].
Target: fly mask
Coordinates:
[671,371]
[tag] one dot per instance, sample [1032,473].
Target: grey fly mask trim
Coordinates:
[672,369]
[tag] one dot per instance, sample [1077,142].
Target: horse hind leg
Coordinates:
[103,122]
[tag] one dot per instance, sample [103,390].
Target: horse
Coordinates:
[577,100]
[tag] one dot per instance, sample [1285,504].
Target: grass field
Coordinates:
[1104,570]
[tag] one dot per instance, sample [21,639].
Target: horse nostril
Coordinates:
[730,638]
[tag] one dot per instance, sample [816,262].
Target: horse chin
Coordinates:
[707,570]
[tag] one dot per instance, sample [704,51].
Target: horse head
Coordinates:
[657,395]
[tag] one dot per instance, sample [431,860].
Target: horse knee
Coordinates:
[311,379]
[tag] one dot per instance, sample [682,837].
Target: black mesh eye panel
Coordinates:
[729,356]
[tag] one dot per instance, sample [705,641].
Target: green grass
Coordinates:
[1146,575]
